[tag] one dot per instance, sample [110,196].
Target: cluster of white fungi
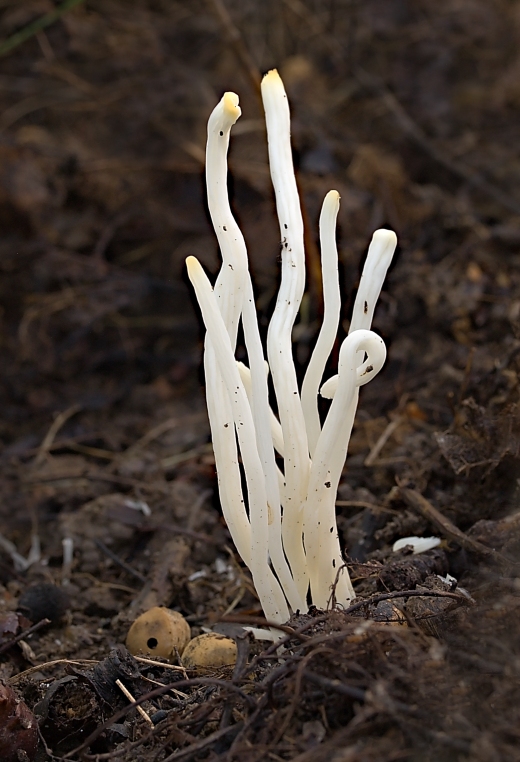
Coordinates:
[286,532]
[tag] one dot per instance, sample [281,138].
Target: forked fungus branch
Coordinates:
[286,531]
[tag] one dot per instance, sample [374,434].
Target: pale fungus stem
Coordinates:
[331,313]
[267,587]
[324,556]
[68,556]
[279,336]
[229,289]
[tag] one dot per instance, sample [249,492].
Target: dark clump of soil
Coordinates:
[411,111]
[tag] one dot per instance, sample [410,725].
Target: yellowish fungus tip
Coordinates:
[272,79]
[192,263]
[272,74]
[231,105]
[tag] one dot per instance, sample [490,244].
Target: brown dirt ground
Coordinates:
[410,108]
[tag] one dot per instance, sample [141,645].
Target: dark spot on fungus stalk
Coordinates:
[221,133]
[224,228]
[334,562]
[327,484]
[331,530]
[285,225]
[365,308]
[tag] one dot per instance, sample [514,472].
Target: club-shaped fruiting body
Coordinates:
[286,533]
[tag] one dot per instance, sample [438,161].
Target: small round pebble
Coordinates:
[158,632]
[210,650]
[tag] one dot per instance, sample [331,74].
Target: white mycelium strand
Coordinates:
[279,337]
[324,556]
[331,313]
[268,588]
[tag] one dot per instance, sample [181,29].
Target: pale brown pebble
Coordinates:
[210,650]
[158,632]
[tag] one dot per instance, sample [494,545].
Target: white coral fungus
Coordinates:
[286,534]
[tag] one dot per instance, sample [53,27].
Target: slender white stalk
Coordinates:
[231,280]
[276,429]
[68,556]
[331,313]
[229,289]
[279,341]
[324,556]
[226,456]
[261,416]
[274,486]
[268,588]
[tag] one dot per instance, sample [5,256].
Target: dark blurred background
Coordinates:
[409,109]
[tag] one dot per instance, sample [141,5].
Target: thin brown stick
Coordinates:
[257,621]
[24,634]
[335,685]
[192,683]
[421,505]
[56,425]
[126,692]
[37,667]
[119,561]
[371,458]
[199,745]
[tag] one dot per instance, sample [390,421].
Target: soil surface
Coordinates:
[411,110]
